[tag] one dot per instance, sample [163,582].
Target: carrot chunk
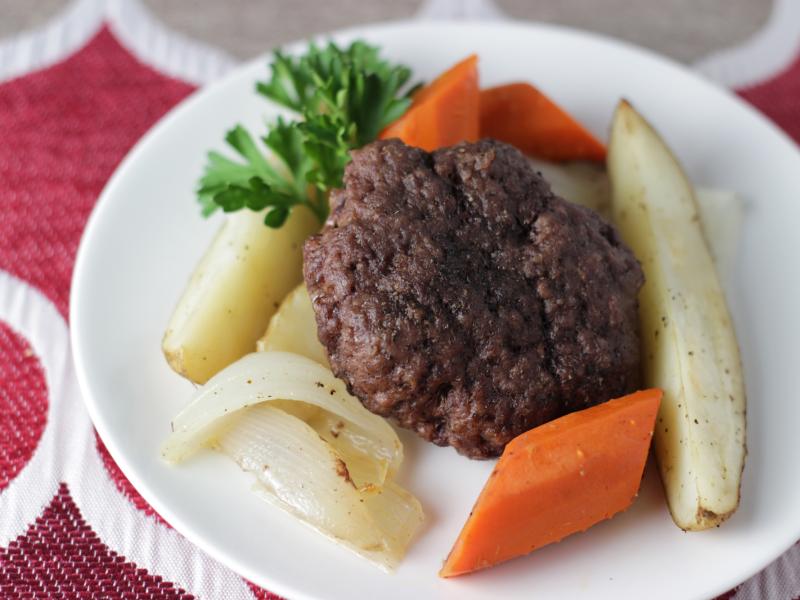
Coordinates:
[558,479]
[524,117]
[444,112]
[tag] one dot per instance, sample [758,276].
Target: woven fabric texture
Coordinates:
[64,130]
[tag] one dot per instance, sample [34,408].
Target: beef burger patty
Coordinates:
[458,296]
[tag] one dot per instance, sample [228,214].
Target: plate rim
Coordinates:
[105,200]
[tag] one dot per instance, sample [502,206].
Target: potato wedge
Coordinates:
[233,292]
[294,328]
[689,345]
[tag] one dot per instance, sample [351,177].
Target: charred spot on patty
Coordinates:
[458,296]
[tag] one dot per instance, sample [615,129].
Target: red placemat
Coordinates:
[71,525]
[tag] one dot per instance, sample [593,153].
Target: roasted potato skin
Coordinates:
[689,346]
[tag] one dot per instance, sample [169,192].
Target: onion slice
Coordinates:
[272,376]
[315,450]
[300,472]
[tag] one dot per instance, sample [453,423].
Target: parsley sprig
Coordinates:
[344,98]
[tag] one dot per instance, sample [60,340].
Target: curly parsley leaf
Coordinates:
[345,97]
[290,84]
[326,145]
[255,183]
[355,86]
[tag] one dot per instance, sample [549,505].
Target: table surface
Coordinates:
[246,28]
[71,525]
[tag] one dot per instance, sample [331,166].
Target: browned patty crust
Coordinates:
[458,296]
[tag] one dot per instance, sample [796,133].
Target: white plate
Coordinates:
[146,235]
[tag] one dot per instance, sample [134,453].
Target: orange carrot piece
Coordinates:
[556,480]
[524,117]
[444,112]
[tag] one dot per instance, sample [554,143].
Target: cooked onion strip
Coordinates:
[579,182]
[268,376]
[303,474]
[721,215]
[354,446]
[302,471]
[314,449]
